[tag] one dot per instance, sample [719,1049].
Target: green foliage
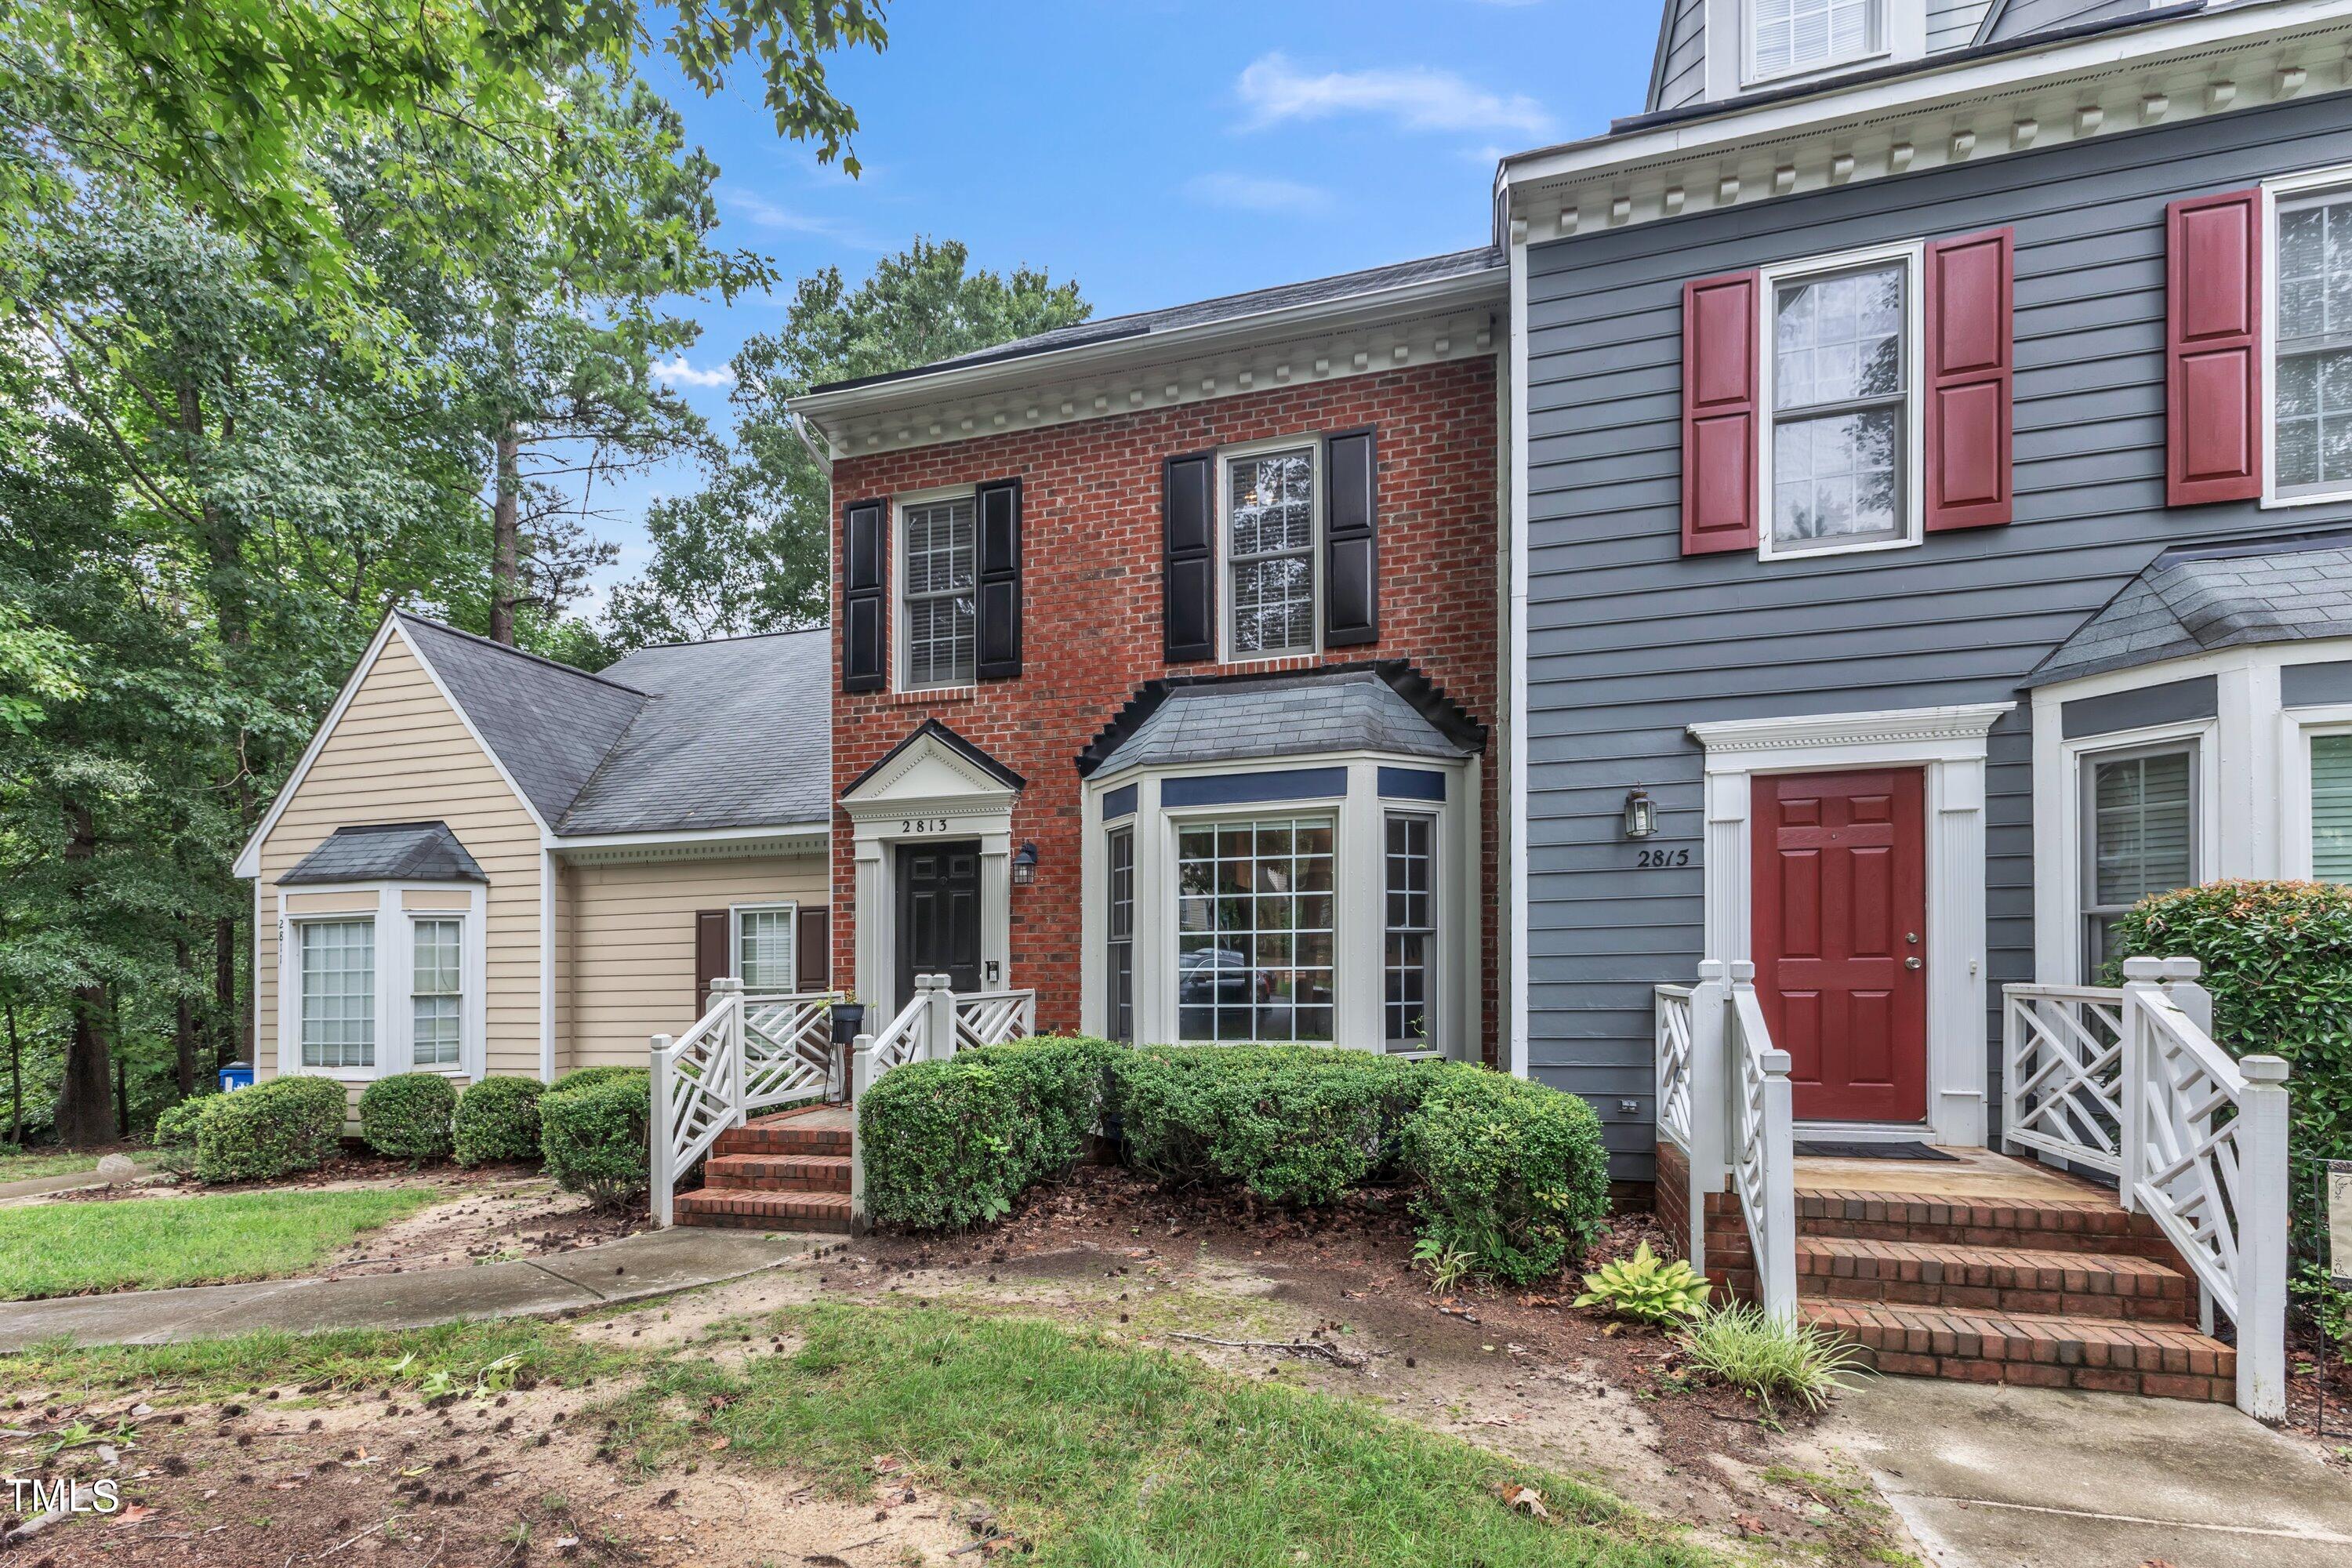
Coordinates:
[274,1128]
[174,1138]
[497,1119]
[1645,1289]
[581,1077]
[594,1133]
[1769,1359]
[406,1116]
[1511,1172]
[159,1244]
[1295,1124]
[951,1144]
[1447,1264]
[2278,961]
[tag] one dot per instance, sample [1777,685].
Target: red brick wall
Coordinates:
[1091,628]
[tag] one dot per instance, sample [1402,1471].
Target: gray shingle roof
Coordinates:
[735,733]
[1141,323]
[2191,601]
[550,724]
[391,851]
[1302,715]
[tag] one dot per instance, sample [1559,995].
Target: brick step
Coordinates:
[776,1173]
[2054,1225]
[781,1136]
[1998,1279]
[765,1211]
[2036,1350]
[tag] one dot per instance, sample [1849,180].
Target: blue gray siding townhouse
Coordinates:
[1932,504]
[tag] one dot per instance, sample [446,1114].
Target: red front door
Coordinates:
[1841,940]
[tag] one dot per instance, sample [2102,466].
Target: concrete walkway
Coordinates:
[41,1187]
[1988,1477]
[651,1263]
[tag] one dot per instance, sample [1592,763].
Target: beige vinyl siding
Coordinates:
[400,753]
[632,949]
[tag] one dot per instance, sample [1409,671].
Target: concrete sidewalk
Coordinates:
[652,1263]
[1988,1477]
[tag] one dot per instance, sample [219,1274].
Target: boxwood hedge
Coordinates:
[497,1119]
[593,1131]
[275,1128]
[406,1116]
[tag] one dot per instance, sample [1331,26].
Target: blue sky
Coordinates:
[1157,151]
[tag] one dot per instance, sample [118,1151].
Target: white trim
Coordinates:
[547,871]
[249,859]
[900,628]
[779,838]
[735,913]
[2298,727]
[1221,513]
[1912,254]
[2339,177]
[394,931]
[1949,744]
[1514,1047]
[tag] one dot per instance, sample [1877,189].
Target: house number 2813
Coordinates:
[1661,860]
[922,825]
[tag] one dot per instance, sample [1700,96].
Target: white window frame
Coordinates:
[1912,254]
[1178,821]
[1885,21]
[2071,838]
[396,968]
[901,620]
[1438,871]
[1312,443]
[2303,725]
[735,913]
[2310,183]
[2198,738]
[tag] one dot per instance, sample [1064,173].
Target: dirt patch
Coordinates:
[2315,1370]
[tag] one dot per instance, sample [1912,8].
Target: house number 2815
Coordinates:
[922,825]
[1661,860]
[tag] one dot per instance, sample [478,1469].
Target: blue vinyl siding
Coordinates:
[1628,642]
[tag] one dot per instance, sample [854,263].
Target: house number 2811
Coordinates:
[922,825]
[1661,860]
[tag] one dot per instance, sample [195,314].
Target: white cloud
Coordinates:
[1256,194]
[678,373]
[761,213]
[1416,97]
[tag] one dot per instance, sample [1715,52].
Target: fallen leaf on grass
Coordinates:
[884,1463]
[137,1513]
[1523,1499]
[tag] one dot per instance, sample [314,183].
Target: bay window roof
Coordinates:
[388,852]
[1387,706]
[2194,601]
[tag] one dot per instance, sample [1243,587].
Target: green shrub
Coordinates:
[951,1144]
[279,1126]
[1295,1124]
[497,1118]
[174,1138]
[2278,960]
[593,1134]
[1512,1172]
[1769,1359]
[1646,1290]
[581,1077]
[406,1116]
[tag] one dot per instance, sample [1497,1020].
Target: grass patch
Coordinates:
[153,1244]
[33,1164]
[1110,1455]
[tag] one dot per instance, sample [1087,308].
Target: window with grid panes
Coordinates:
[437,994]
[337,1003]
[2313,419]
[1254,930]
[1121,935]
[1270,552]
[1840,392]
[1411,898]
[941,549]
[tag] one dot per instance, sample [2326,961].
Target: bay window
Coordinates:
[1119,975]
[2331,807]
[437,994]
[381,978]
[2139,836]
[338,994]
[1254,925]
[1411,909]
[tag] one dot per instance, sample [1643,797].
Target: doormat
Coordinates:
[1871,1151]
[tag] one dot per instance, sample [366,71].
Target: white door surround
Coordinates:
[1949,745]
[928,790]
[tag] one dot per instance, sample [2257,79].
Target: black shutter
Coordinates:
[1189,556]
[813,950]
[998,617]
[865,596]
[1351,548]
[713,935]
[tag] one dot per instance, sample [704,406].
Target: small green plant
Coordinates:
[174,1138]
[1646,1289]
[1447,1264]
[406,1116]
[1769,1359]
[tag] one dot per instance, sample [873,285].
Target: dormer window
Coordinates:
[1789,38]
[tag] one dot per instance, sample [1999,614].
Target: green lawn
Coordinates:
[31,1164]
[152,1244]
[1104,1455]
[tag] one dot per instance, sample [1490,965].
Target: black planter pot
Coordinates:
[848,1022]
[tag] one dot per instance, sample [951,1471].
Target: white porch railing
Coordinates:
[744,1053]
[2061,1058]
[1724,1101]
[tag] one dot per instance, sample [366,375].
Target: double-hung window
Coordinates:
[1840,354]
[1787,37]
[1269,550]
[2139,836]
[338,1006]
[437,992]
[1120,939]
[939,631]
[2312,417]
[1411,898]
[763,950]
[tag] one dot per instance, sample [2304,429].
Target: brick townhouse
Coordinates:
[1165,667]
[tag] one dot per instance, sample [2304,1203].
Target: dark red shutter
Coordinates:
[812,952]
[1719,413]
[712,937]
[1971,365]
[1188,558]
[997,618]
[1351,546]
[865,595]
[2212,342]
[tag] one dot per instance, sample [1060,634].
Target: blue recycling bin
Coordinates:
[237,1075]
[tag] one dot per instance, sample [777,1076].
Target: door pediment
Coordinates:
[933,767]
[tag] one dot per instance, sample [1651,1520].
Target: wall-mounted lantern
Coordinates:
[1641,813]
[1024,865]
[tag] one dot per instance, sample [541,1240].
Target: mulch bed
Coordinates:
[2304,1353]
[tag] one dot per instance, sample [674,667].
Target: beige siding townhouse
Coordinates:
[487,862]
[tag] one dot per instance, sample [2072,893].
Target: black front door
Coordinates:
[938,914]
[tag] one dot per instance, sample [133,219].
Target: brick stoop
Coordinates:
[788,1172]
[2168,1361]
[1993,1279]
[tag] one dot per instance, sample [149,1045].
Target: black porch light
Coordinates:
[1641,813]
[1024,865]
